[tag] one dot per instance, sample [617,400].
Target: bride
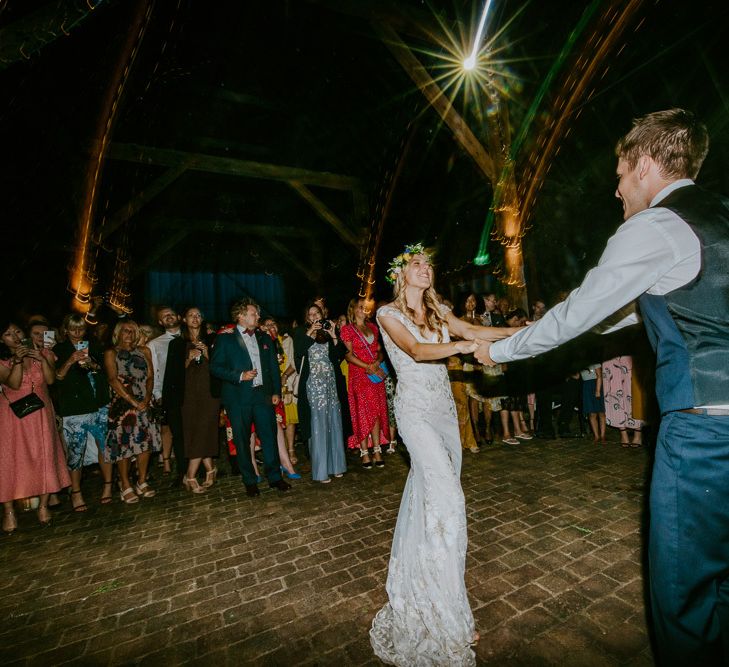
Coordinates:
[427,620]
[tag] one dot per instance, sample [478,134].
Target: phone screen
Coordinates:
[49,336]
[82,345]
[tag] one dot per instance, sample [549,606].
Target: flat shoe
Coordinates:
[510,441]
[524,436]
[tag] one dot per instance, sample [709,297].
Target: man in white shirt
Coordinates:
[169,320]
[671,255]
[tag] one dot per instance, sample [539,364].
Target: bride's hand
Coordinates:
[466,346]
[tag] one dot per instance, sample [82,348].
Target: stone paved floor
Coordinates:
[554,568]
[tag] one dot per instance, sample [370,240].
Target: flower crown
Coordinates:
[399,262]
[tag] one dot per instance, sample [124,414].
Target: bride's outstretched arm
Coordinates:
[422,351]
[475,332]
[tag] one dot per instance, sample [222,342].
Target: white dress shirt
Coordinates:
[654,251]
[159,347]
[255,354]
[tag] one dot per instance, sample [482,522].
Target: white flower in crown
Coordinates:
[401,261]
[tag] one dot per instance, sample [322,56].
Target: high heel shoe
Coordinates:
[10,523]
[210,477]
[193,486]
[367,465]
[43,511]
[105,500]
[378,452]
[290,475]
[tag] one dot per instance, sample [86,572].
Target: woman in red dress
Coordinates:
[367,400]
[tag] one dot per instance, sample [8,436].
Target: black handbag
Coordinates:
[26,405]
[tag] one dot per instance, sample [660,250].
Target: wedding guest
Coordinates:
[32,462]
[617,387]
[270,326]
[189,388]
[593,400]
[323,414]
[82,399]
[171,423]
[367,399]
[131,430]
[289,389]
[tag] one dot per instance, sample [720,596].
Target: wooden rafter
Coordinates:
[438,99]
[142,199]
[167,157]
[289,256]
[326,214]
[229,227]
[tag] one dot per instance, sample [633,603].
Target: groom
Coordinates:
[671,255]
[246,361]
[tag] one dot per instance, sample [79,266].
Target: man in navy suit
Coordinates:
[245,360]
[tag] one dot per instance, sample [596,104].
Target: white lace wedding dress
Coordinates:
[428,620]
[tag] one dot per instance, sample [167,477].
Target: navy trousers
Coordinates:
[689,540]
[258,411]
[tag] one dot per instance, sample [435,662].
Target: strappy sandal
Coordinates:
[10,523]
[105,500]
[166,464]
[128,496]
[377,450]
[44,522]
[77,508]
[144,490]
[367,465]
[210,477]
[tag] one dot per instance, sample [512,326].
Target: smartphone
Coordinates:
[49,338]
[27,342]
[82,345]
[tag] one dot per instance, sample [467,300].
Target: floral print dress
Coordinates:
[131,432]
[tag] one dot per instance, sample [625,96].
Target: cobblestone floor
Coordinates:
[554,568]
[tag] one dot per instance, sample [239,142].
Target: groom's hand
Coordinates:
[482,354]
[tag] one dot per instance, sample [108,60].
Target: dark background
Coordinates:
[310,84]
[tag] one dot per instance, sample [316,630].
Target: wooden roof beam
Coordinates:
[437,99]
[230,227]
[326,214]
[167,157]
[142,199]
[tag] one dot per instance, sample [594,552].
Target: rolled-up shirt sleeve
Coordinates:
[639,256]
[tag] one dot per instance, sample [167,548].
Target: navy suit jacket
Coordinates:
[230,358]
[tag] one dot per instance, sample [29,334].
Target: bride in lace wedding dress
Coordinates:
[427,620]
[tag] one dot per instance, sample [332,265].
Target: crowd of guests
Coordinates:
[109,392]
[124,396]
[514,406]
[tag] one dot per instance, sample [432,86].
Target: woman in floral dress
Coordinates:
[132,432]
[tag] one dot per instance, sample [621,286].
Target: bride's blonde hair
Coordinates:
[434,320]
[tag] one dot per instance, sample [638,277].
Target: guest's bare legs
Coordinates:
[166,448]
[290,436]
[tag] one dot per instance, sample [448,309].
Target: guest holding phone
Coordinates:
[32,462]
[82,399]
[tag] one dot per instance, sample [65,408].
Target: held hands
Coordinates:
[482,354]
[466,346]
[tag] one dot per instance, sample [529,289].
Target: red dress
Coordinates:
[367,400]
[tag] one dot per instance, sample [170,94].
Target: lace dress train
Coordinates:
[427,620]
